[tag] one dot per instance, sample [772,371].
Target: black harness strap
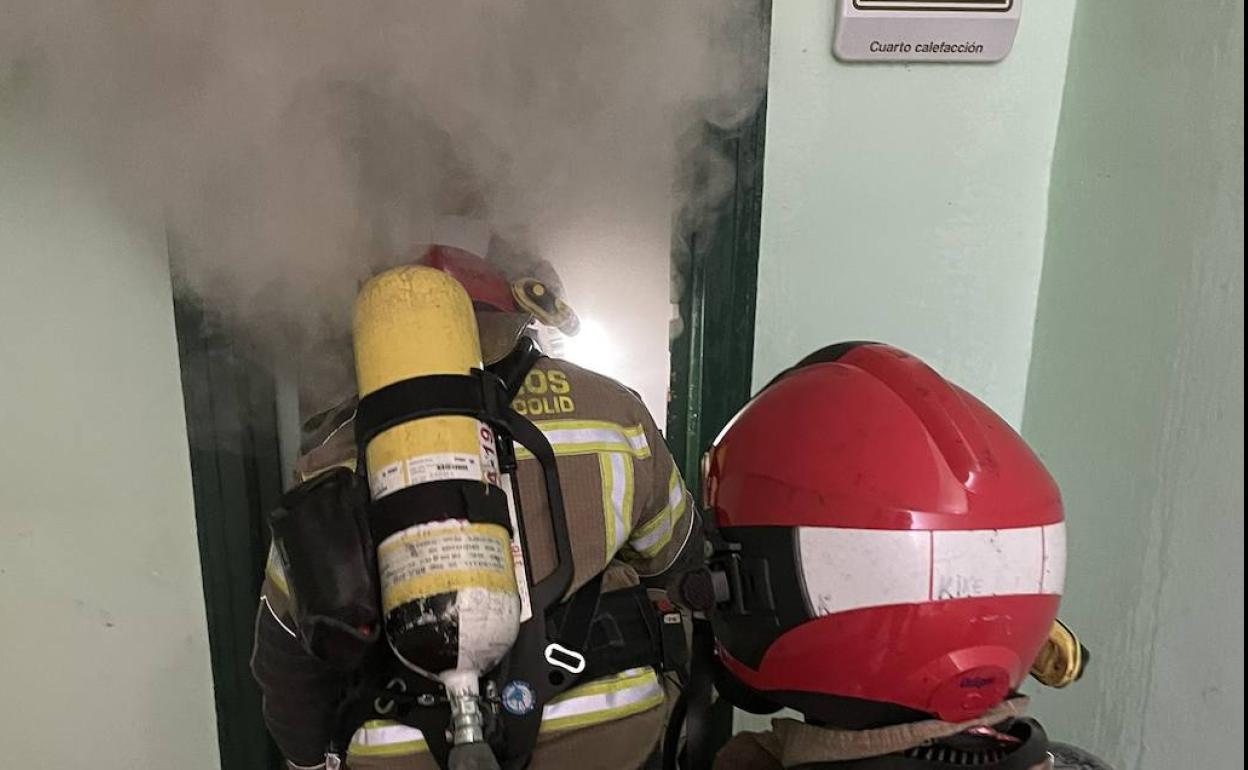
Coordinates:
[571,631]
[708,720]
[700,739]
[478,503]
[479,394]
[625,633]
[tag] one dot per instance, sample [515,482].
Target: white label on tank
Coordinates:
[388,479]
[443,556]
[443,466]
[517,552]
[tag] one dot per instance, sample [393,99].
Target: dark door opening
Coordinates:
[233,424]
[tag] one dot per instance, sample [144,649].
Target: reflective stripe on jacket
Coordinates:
[603,700]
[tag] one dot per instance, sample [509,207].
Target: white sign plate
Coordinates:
[926,30]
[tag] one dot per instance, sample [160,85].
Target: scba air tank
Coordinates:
[448,585]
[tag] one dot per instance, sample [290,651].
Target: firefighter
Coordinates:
[630,520]
[888,560]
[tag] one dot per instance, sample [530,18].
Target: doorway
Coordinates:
[243,419]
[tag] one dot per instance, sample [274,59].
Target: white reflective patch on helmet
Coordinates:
[986,562]
[849,569]
[1054,579]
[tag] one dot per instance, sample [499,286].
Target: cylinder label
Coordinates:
[442,467]
[481,465]
[448,589]
[441,557]
[386,480]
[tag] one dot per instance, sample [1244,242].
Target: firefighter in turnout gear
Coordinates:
[629,519]
[888,559]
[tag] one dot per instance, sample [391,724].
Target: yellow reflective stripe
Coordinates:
[676,496]
[608,510]
[386,738]
[650,543]
[605,701]
[275,573]
[635,435]
[607,684]
[577,437]
[627,463]
[653,536]
[602,700]
[616,471]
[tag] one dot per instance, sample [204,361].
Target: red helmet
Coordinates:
[458,246]
[467,250]
[895,549]
[486,286]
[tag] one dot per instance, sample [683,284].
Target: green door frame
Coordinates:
[713,356]
[231,425]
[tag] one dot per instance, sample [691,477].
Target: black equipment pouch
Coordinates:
[322,537]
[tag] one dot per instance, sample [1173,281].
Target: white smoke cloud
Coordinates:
[294,145]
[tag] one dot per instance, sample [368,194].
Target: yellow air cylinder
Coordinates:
[448,585]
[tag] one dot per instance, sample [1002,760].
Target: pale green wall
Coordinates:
[103,651]
[908,203]
[912,205]
[1136,393]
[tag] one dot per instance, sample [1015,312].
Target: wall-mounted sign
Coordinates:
[926,30]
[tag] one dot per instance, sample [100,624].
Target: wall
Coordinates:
[907,203]
[104,651]
[1136,392]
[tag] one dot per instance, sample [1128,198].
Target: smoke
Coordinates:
[294,146]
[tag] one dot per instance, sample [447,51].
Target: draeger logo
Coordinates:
[934,5]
